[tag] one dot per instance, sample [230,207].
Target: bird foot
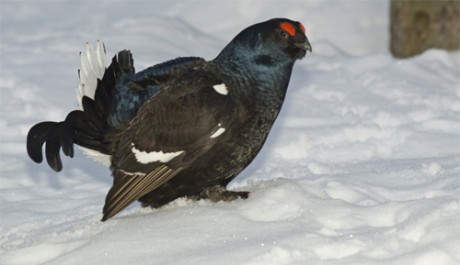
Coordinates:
[220,193]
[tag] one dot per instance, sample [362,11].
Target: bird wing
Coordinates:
[129,188]
[169,132]
[121,92]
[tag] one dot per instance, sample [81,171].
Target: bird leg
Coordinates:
[220,193]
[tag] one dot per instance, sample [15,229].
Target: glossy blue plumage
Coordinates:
[134,89]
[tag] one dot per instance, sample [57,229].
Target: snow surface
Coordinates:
[362,167]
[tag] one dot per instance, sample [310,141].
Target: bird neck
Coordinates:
[258,78]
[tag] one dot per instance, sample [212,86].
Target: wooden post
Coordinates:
[417,25]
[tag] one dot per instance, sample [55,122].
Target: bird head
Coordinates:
[274,41]
[287,36]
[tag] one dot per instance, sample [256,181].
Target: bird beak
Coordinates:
[300,46]
[304,46]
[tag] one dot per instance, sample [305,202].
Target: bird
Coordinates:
[182,128]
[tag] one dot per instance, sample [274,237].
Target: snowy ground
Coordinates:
[363,165]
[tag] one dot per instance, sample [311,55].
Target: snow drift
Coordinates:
[363,165]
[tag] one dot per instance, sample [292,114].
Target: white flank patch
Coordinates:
[221,89]
[149,157]
[133,173]
[219,131]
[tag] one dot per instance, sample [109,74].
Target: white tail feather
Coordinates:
[92,68]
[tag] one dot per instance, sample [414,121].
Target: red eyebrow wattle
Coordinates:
[302,27]
[288,28]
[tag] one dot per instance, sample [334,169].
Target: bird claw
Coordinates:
[220,193]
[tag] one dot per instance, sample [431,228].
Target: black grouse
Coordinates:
[185,127]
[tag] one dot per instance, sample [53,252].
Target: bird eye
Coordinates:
[283,34]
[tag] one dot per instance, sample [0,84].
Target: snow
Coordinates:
[362,166]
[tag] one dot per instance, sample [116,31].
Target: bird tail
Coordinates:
[88,126]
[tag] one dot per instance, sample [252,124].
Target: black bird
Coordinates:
[185,127]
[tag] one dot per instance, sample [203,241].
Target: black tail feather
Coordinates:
[66,139]
[121,65]
[78,128]
[53,146]
[36,137]
[85,128]
[55,135]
